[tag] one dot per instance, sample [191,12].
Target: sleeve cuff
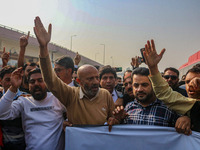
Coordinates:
[9,95]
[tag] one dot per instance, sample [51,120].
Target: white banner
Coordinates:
[129,137]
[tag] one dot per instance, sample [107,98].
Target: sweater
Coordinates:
[80,109]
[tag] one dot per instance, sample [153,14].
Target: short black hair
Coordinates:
[66,62]
[194,69]
[6,70]
[125,72]
[33,71]
[30,64]
[197,65]
[172,69]
[140,71]
[107,69]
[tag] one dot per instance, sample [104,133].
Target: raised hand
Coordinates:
[5,57]
[77,59]
[135,63]
[24,40]
[151,56]
[42,35]
[16,79]
[23,43]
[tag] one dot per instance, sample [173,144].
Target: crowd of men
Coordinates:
[38,101]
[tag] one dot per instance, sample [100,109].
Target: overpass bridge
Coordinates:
[9,38]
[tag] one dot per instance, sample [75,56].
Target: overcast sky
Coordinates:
[123,26]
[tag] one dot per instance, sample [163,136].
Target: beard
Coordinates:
[38,95]
[88,90]
[173,85]
[144,99]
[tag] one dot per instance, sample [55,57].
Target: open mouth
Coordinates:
[109,86]
[191,92]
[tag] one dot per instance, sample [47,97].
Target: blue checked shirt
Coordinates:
[154,114]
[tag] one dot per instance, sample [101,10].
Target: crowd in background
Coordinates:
[38,101]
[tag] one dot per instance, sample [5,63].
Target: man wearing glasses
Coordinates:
[64,68]
[171,75]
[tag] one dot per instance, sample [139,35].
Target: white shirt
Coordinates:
[41,120]
[71,84]
[114,95]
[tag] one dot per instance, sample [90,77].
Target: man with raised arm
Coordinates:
[146,109]
[173,99]
[23,44]
[5,57]
[87,104]
[41,113]
[13,134]
[26,67]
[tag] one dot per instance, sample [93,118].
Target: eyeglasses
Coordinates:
[170,76]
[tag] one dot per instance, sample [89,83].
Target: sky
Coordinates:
[123,26]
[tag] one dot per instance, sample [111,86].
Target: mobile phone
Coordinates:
[141,51]
[140,60]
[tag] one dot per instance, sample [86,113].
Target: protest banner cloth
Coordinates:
[129,137]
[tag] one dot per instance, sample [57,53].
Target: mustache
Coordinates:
[140,92]
[95,86]
[36,88]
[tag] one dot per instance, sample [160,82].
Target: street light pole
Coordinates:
[10,51]
[96,56]
[112,60]
[104,53]
[71,42]
[52,55]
